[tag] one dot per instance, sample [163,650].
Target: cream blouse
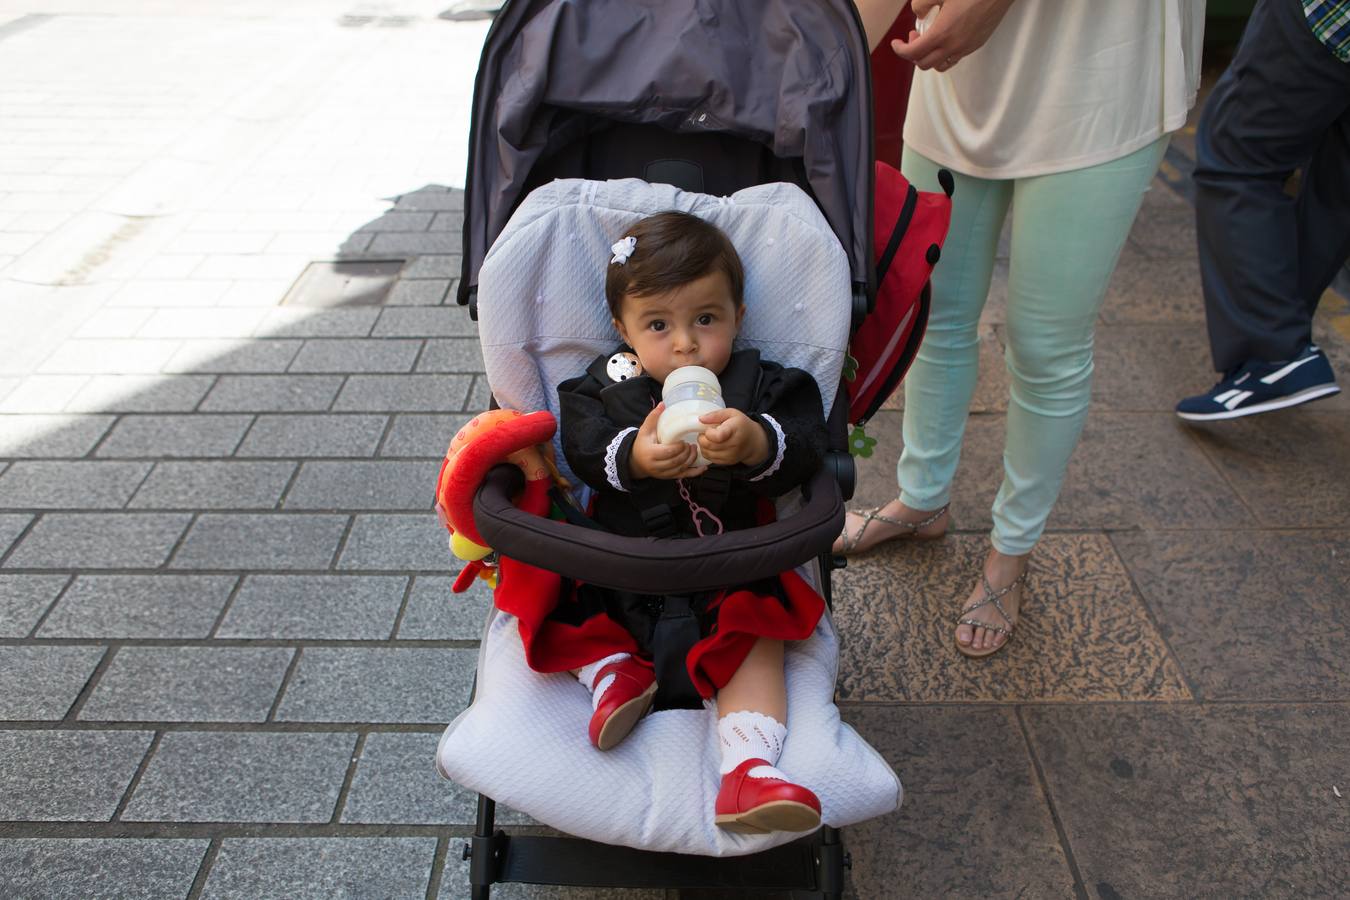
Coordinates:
[1061,85]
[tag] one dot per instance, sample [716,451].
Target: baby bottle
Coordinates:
[689,392]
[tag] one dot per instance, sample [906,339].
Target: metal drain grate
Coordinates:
[331,283]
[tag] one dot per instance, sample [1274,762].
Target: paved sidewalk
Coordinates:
[227,641]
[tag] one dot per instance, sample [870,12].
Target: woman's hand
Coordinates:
[669,461]
[732,438]
[961,28]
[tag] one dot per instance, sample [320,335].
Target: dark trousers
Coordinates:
[1266,257]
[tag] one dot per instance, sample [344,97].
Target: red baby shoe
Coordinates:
[753,805]
[623,703]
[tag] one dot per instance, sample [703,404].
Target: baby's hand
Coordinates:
[733,437]
[652,460]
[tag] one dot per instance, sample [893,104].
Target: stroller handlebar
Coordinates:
[657,565]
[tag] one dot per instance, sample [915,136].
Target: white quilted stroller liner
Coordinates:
[542,319]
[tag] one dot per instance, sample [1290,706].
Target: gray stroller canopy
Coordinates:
[789,75]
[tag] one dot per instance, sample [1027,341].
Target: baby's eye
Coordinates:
[657,325]
[705,319]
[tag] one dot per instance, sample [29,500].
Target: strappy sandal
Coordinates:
[991,596]
[874,515]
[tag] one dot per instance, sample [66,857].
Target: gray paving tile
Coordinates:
[1250,615]
[67,775]
[396,782]
[221,776]
[243,541]
[141,393]
[1166,234]
[412,321]
[455,886]
[410,242]
[1235,798]
[333,607]
[214,485]
[99,868]
[355,246]
[322,868]
[423,435]
[1146,367]
[400,221]
[358,684]
[273,393]
[202,322]
[175,436]
[364,355]
[43,393]
[99,541]
[448,221]
[225,356]
[1115,480]
[1289,465]
[139,606]
[403,393]
[971,793]
[418,292]
[452,355]
[436,613]
[430,265]
[314,435]
[33,436]
[480,395]
[23,600]
[11,526]
[297,322]
[433,198]
[1154,290]
[189,684]
[42,682]
[70,485]
[400,543]
[99,356]
[386,484]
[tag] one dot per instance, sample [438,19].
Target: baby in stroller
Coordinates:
[675,292]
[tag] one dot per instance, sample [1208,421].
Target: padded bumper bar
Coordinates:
[664,565]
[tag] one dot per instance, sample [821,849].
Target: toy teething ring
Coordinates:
[494,437]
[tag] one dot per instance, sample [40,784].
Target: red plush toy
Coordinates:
[497,436]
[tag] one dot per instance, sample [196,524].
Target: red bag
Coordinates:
[909,227]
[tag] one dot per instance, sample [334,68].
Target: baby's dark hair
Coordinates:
[673,248]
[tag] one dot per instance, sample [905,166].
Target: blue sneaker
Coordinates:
[1259,387]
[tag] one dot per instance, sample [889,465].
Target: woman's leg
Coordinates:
[940,384]
[1067,233]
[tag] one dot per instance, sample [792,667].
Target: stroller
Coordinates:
[735,111]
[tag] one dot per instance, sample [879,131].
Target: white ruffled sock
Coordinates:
[586,675]
[751,735]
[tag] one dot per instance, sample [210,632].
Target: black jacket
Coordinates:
[595,409]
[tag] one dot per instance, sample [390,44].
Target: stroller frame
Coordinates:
[815,864]
[515,147]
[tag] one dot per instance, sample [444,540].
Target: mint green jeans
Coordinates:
[1067,233]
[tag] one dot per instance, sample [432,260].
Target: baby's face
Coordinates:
[691,325]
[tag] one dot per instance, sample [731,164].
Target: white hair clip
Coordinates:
[622,250]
